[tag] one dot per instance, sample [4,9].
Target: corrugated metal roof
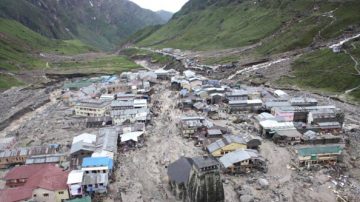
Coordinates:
[107,139]
[51,158]
[226,140]
[237,156]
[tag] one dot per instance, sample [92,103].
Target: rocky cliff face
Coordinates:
[102,23]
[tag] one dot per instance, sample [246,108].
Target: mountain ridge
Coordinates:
[165,15]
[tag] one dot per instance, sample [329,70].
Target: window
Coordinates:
[61,192]
[46,195]
[34,195]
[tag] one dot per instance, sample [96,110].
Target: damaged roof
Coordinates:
[226,140]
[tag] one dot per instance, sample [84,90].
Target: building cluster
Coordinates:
[121,107]
[315,129]
[118,105]
[114,100]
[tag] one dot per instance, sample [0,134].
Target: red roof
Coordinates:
[15,194]
[50,179]
[46,176]
[24,172]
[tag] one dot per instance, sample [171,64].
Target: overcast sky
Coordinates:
[155,5]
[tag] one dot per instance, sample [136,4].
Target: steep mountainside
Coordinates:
[26,56]
[260,30]
[20,50]
[101,23]
[165,15]
[210,24]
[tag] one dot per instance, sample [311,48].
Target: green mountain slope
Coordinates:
[100,23]
[22,58]
[20,47]
[203,24]
[283,27]
[325,71]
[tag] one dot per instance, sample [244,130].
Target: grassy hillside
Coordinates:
[324,70]
[135,53]
[141,34]
[20,47]
[330,21]
[223,24]
[102,24]
[108,64]
[7,81]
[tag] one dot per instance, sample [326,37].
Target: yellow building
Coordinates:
[44,195]
[92,108]
[227,144]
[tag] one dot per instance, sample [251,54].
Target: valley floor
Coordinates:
[141,173]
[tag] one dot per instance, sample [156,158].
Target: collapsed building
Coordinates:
[230,143]
[242,161]
[11,157]
[191,125]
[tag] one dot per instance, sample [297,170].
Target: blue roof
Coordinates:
[97,162]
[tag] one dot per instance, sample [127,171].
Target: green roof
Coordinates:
[309,151]
[83,199]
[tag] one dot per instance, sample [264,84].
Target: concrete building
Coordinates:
[92,108]
[307,155]
[74,183]
[191,125]
[96,174]
[287,137]
[244,105]
[82,146]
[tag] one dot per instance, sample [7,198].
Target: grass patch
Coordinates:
[107,64]
[324,70]
[7,81]
[154,57]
